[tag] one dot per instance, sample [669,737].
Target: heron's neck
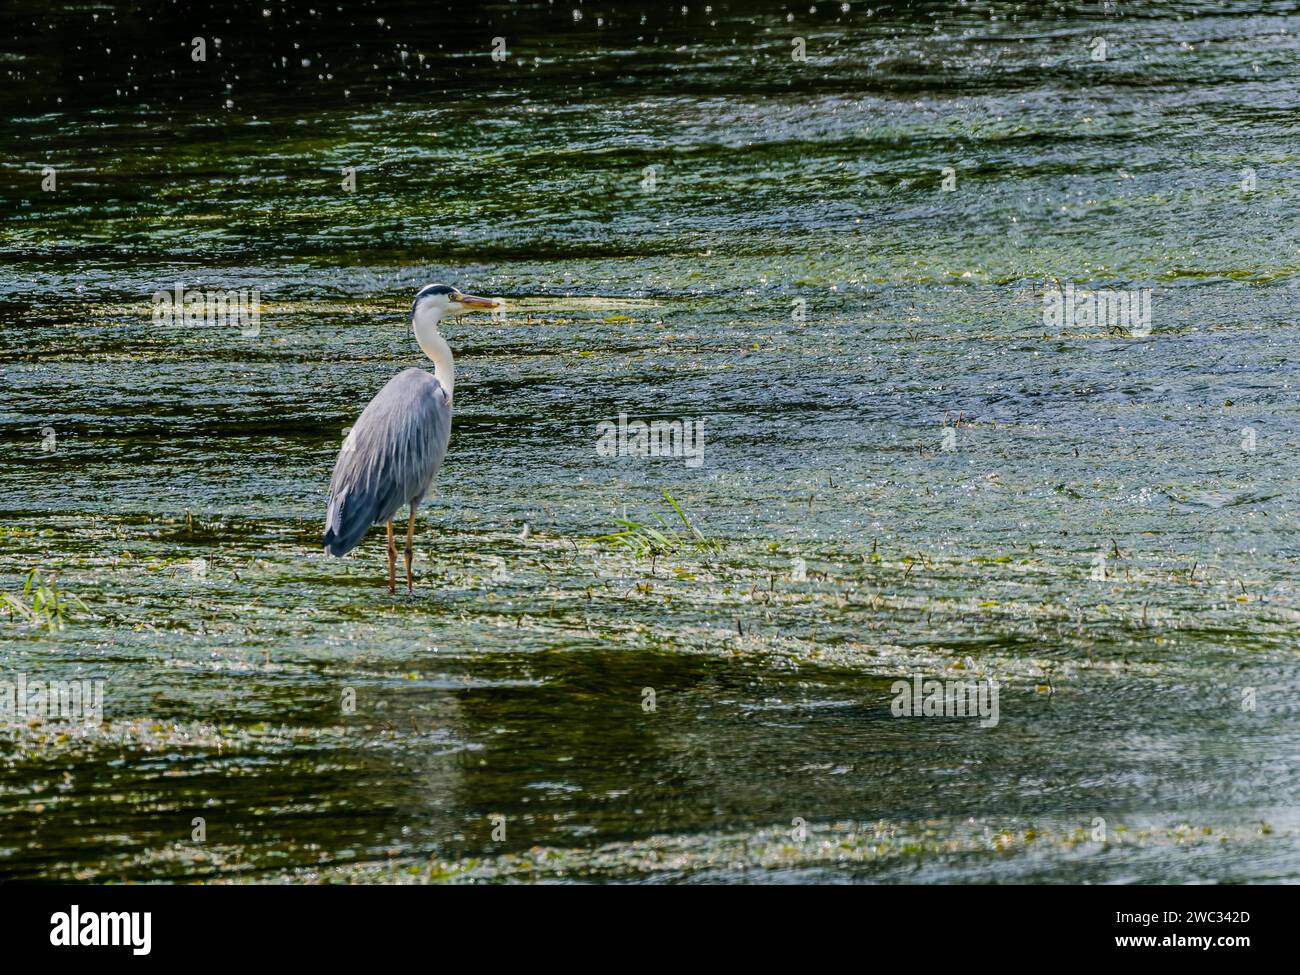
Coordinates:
[435,346]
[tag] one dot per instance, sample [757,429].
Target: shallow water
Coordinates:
[864,535]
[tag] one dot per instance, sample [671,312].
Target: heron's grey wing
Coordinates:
[389,459]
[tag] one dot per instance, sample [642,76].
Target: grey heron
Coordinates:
[397,445]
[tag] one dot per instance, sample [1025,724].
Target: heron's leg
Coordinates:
[410,547]
[392,560]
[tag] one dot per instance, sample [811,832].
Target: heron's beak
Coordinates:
[471,301]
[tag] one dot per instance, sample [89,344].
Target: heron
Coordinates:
[398,444]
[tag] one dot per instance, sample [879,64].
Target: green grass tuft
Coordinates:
[40,604]
[649,542]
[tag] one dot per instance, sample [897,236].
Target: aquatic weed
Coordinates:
[40,604]
[646,541]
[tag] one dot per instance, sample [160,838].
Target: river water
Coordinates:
[835,266]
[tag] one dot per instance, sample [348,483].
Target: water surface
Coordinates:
[797,280]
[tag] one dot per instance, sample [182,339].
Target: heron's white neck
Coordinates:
[434,345]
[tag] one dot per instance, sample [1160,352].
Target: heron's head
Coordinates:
[446,300]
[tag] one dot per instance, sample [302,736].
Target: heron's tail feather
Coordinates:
[346,522]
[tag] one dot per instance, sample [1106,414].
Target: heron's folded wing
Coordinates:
[390,457]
